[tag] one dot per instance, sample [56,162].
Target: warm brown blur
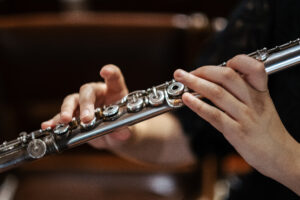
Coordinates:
[48,49]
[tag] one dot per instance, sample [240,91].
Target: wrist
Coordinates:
[289,173]
[297,161]
[295,171]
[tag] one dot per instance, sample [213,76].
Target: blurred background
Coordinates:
[49,48]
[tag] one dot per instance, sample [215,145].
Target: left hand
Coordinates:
[244,112]
[92,95]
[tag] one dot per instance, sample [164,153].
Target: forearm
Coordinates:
[159,140]
[296,183]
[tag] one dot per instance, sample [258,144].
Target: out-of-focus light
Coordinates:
[8,188]
[219,24]
[162,185]
[193,21]
[181,21]
[198,21]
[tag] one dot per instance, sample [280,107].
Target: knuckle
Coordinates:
[247,114]
[242,132]
[199,108]
[240,128]
[215,116]
[236,60]
[217,92]
[259,68]
[233,60]
[229,74]
[245,111]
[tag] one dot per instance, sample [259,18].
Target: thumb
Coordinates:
[253,71]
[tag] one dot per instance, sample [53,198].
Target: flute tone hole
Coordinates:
[175,87]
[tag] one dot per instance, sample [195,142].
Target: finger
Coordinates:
[212,115]
[68,108]
[218,95]
[227,78]
[52,122]
[121,135]
[111,140]
[98,143]
[253,71]
[114,79]
[88,94]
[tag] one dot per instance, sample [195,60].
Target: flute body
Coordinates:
[133,108]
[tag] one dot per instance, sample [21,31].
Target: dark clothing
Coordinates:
[255,24]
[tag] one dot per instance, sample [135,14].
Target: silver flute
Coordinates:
[133,108]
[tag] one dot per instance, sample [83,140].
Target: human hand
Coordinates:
[244,113]
[93,95]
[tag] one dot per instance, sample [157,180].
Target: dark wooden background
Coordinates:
[47,53]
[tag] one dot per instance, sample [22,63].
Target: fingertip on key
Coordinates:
[86,116]
[46,124]
[179,73]
[187,98]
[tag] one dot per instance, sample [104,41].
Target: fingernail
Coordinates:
[110,69]
[85,113]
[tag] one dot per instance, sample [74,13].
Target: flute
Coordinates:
[131,109]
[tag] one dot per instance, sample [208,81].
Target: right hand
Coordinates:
[93,95]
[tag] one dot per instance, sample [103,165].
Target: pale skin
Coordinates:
[244,113]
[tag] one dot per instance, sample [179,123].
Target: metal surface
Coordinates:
[157,98]
[133,108]
[88,126]
[175,89]
[36,148]
[111,111]
[61,129]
